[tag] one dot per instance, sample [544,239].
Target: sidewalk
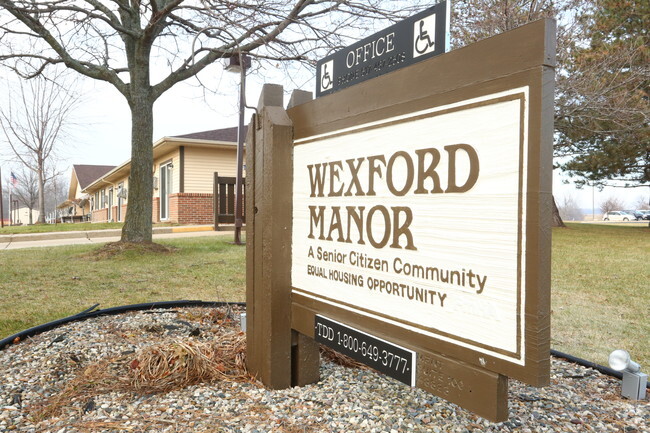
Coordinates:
[50,239]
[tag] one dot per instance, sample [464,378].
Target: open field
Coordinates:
[600,284]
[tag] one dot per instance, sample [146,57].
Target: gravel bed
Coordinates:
[346,399]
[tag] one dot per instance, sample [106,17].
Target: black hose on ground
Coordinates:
[601,368]
[87,310]
[89,313]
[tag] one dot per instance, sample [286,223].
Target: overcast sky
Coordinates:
[102,133]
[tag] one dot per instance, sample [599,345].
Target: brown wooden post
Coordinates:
[249,203]
[305,351]
[268,254]
[481,391]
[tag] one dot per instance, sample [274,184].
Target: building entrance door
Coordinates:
[165,189]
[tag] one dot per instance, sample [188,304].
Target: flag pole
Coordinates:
[11,205]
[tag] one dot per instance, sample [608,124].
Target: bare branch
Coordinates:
[33,123]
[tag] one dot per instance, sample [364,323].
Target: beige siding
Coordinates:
[75,191]
[176,162]
[105,187]
[201,163]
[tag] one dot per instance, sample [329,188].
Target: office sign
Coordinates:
[416,38]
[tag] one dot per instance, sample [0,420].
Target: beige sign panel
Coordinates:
[416,221]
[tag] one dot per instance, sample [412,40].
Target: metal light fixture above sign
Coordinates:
[233,64]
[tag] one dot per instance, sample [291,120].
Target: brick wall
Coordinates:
[100,215]
[173,208]
[155,210]
[188,208]
[184,208]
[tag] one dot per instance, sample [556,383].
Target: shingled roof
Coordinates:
[87,174]
[225,134]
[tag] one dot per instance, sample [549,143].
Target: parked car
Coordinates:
[642,214]
[618,215]
[631,212]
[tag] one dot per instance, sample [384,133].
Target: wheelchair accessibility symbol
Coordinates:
[326,76]
[424,34]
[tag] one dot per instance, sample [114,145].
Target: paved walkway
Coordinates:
[51,239]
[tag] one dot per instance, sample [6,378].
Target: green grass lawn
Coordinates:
[601,291]
[600,284]
[44,228]
[42,284]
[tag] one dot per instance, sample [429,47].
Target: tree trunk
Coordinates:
[138,222]
[557,219]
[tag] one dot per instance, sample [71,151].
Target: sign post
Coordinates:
[420,220]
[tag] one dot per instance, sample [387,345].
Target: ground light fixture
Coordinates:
[634,382]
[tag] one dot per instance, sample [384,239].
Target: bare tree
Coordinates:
[33,123]
[474,20]
[642,202]
[26,191]
[4,204]
[126,43]
[569,209]
[56,192]
[611,203]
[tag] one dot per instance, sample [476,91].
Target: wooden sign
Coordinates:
[420,222]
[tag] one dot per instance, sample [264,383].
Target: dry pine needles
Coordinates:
[163,367]
[179,364]
[158,368]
